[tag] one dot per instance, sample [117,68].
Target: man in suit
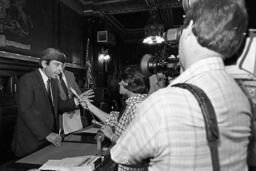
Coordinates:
[72,121]
[39,102]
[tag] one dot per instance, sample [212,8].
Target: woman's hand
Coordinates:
[87,95]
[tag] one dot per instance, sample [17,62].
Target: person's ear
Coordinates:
[64,65]
[188,29]
[43,63]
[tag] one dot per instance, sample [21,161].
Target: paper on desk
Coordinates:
[83,163]
[91,130]
[72,123]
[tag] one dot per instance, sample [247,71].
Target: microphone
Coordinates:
[97,123]
[75,93]
[80,99]
[77,96]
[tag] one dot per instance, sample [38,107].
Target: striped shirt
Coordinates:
[169,127]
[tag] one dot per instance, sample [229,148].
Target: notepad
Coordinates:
[81,163]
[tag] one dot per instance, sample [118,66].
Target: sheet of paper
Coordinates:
[84,163]
[72,122]
[248,63]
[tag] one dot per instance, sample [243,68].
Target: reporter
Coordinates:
[135,86]
[72,120]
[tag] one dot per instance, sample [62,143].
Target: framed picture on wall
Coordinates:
[26,26]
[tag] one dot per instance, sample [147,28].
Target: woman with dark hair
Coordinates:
[135,86]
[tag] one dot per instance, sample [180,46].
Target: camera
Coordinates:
[152,64]
[169,66]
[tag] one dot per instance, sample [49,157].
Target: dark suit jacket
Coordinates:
[71,81]
[35,118]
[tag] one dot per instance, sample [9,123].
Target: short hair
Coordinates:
[137,82]
[52,54]
[219,25]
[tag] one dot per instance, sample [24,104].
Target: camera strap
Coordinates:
[211,126]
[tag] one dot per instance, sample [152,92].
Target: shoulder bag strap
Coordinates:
[211,126]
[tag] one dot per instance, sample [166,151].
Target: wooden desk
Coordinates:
[67,149]
[75,146]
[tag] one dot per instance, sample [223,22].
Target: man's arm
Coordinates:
[71,81]
[28,110]
[138,142]
[67,105]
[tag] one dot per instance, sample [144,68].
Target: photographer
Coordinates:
[169,130]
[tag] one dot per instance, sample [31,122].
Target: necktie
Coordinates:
[49,91]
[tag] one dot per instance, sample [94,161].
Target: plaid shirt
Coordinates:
[169,127]
[127,116]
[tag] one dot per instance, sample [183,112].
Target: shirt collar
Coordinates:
[44,76]
[64,77]
[204,65]
[135,97]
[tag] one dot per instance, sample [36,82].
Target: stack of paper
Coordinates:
[81,163]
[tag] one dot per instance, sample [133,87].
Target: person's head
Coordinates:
[51,62]
[132,80]
[212,28]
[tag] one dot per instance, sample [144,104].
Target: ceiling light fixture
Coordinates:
[153,30]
